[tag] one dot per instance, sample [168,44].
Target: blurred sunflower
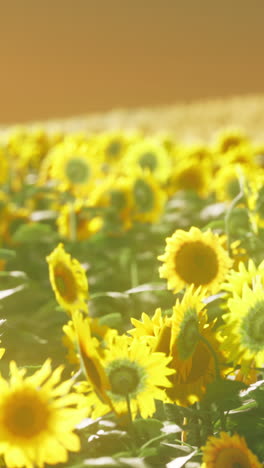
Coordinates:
[75,221]
[227,182]
[230,139]
[242,332]
[37,418]
[148,154]
[74,168]
[194,257]
[68,280]
[191,174]
[111,146]
[4,167]
[255,199]
[115,197]
[148,197]
[228,452]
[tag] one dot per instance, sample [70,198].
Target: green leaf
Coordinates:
[147,429]
[180,461]
[225,393]
[34,232]
[113,320]
[7,254]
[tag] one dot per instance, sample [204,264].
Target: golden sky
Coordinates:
[66,57]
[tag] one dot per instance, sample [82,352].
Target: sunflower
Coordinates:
[102,333]
[227,182]
[115,197]
[74,168]
[148,197]
[191,174]
[75,221]
[188,320]
[91,357]
[242,332]
[111,146]
[228,452]
[189,383]
[37,418]
[235,280]
[230,139]
[256,200]
[134,371]
[147,326]
[148,154]
[68,280]
[194,257]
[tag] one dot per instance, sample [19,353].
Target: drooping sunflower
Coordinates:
[148,154]
[194,257]
[38,417]
[102,333]
[91,357]
[188,320]
[190,386]
[68,280]
[228,452]
[242,332]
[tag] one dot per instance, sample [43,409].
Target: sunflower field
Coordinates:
[132,299]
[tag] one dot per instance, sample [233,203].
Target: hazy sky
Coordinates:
[66,57]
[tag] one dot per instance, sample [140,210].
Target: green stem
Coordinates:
[217,377]
[73,223]
[129,408]
[228,214]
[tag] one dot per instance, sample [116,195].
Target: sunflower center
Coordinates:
[25,414]
[232,457]
[252,327]
[65,283]
[77,171]
[125,377]
[113,149]
[148,161]
[118,199]
[189,335]
[190,179]
[143,196]
[196,263]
